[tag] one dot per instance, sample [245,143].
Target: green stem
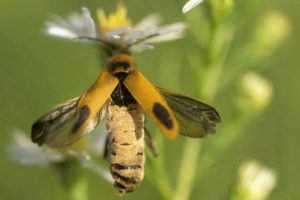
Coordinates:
[187,169]
[163,182]
[210,84]
[214,71]
[79,190]
[160,179]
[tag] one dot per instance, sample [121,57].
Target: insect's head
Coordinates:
[121,64]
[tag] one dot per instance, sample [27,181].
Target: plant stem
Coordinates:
[79,190]
[163,182]
[161,179]
[187,169]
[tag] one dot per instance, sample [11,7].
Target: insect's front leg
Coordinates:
[151,143]
[105,150]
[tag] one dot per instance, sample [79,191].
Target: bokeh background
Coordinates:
[37,72]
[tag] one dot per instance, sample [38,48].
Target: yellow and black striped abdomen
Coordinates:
[125,146]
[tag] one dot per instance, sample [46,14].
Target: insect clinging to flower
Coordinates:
[122,94]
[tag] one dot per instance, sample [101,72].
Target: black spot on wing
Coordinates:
[37,132]
[162,114]
[83,115]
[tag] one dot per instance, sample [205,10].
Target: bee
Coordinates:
[123,94]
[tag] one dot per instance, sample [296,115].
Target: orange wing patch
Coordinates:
[152,102]
[92,101]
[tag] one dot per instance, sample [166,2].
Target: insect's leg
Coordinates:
[105,152]
[151,143]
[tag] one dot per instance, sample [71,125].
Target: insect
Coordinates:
[123,94]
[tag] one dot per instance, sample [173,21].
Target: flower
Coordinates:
[190,5]
[115,31]
[257,89]
[268,34]
[256,181]
[25,152]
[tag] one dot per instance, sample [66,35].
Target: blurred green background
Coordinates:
[37,72]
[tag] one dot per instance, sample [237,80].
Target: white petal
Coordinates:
[133,37]
[25,152]
[140,35]
[116,37]
[141,47]
[75,25]
[60,32]
[62,22]
[169,32]
[89,22]
[151,30]
[149,21]
[116,34]
[74,20]
[190,5]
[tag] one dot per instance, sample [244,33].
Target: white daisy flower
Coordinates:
[25,152]
[115,32]
[190,5]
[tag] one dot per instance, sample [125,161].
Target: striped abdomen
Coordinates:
[125,146]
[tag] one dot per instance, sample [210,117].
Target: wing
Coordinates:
[152,102]
[196,119]
[68,122]
[53,128]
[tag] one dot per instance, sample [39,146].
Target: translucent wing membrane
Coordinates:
[55,127]
[75,118]
[195,118]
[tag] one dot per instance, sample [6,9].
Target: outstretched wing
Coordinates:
[195,118]
[68,122]
[54,127]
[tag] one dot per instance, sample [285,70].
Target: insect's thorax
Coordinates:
[120,66]
[121,96]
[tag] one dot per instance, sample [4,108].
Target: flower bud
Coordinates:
[268,34]
[257,90]
[256,181]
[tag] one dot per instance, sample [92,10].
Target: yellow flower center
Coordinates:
[115,20]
